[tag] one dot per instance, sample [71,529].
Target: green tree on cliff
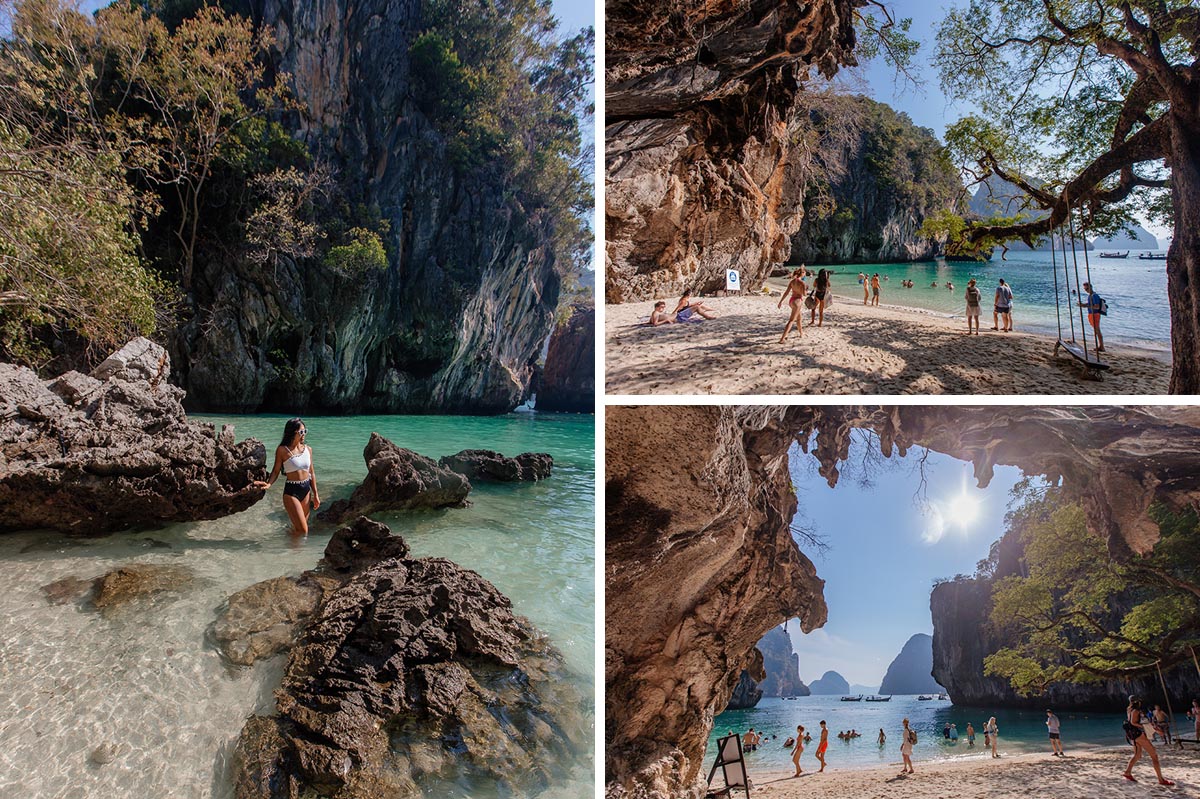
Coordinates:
[1103,98]
[1080,615]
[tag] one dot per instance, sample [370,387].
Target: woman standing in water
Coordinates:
[294,458]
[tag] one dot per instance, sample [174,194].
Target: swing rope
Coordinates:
[1067,279]
[1087,268]
[1078,285]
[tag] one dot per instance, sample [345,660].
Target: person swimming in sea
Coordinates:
[294,458]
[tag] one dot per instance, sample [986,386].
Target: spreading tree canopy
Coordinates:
[1101,101]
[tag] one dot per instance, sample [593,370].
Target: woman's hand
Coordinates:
[316,502]
[261,484]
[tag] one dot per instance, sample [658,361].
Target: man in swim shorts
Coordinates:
[821,747]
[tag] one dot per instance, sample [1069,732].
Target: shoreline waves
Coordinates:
[860,350]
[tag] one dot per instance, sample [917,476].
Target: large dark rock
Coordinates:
[455,322]
[89,455]
[911,671]
[568,381]
[781,664]
[399,479]
[488,464]
[411,671]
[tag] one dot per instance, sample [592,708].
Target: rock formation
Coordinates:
[781,664]
[700,561]
[911,671]
[745,694]
[568,382]
[88,455]
[409,671]
[699,99]
[399,479]
[456,320]
[830,684]
[114,590]
[486,464]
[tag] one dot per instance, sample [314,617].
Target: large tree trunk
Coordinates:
[1183,258]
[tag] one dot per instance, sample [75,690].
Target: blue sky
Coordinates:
[887,545]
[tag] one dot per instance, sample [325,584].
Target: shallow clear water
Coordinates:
[1020,731]
[144,681]
[1136,291]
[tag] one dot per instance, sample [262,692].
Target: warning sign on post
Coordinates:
[733,281]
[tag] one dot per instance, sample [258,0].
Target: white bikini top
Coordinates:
[296,463]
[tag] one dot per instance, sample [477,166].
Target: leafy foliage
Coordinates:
[363,251]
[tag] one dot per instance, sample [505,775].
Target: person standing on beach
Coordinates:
[1194,715]
[970,735]
[1003,308]
[798,749]
[973,301]
[1162,724]
[797,289]
[862,279]
[820,293]
[908,738]
[1055,727]
[875,289]
[1135,733]
[822,746]
[993,733]
[1095,306]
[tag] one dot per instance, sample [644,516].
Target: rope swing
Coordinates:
[1076,348]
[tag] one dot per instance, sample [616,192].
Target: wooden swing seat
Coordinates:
[1089,360]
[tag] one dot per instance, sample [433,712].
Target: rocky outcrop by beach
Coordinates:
[568,381]
[703,539]
[410,670]
[781,664]
[911,671]
[93,454]
[486,464]
[399,479]
[699,99]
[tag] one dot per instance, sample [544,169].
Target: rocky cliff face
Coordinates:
[911,671]
[568,382]
[747,692]
[781,664]
[453,324]
[699,98]
[879,178]
[700,561]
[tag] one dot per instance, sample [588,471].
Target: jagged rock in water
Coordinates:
[136,581]
[911,671]
[262,619]
[399,479]
[88,456]
[568,382]
[699,98]
[781,664]
[700,560]
[453,324]
[486,464]
[411,671]
[830,684]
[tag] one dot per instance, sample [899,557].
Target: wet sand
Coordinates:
[859,350]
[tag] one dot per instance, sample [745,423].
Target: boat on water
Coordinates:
[852,698]
[791,697]
[1115,254]
[1152,256]
[925,697]
[879,699]
[944,697]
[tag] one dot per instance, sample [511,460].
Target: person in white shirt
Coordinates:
[1055,728]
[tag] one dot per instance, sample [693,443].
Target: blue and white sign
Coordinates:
[733,281]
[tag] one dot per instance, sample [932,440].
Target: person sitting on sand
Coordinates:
[974,297]
[660,316]
[798,749]
[882,737]
[907,739]
[688,309]
[820,292]
[821,747]
[1095,306]
[1003,308]
[970,735]
[797,289]
[875,289]
[1134,733]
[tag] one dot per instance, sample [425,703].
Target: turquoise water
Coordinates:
[146,683]
[1136,291]
[1020,731]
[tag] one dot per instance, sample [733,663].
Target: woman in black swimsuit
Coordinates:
[820,292]
[294,458]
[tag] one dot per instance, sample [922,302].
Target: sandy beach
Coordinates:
[1091,774]
[859,350]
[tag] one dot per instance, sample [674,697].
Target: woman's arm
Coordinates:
[786,292]
[270,481]
[312,476]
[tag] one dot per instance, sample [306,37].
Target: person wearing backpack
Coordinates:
[1097,307]
[907,739]
[973,300]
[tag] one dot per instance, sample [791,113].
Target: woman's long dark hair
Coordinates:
[289,431]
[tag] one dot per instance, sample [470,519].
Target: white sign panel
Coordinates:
[733,281]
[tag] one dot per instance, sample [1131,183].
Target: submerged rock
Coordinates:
[411,670]
[92,455]
[136,581]
[68,589]
[486,464]
[399,479]
[261,620]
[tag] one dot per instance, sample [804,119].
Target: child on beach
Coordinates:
[970,735]
[973,301]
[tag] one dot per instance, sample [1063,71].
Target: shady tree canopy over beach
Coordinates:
[1102,100]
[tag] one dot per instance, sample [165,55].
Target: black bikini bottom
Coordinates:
[297,488]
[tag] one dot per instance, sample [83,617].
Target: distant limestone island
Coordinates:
[830,683]
[912,670]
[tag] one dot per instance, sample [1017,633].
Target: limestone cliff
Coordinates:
[699,99]
[911,671]
[455,321]
[700,561]
[568,381]
[781,664]
[830,683]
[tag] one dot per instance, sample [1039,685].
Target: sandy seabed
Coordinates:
[1092,774]
[859,350]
